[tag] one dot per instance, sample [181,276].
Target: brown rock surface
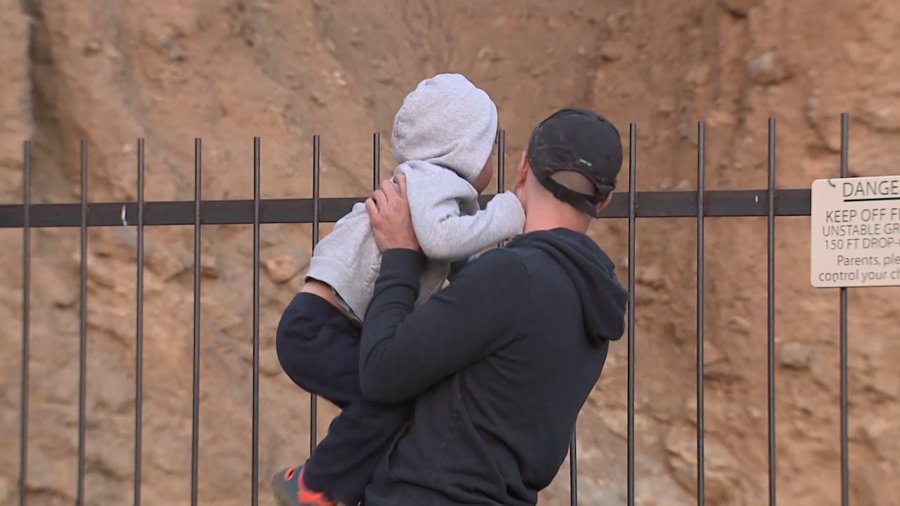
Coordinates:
[227,71]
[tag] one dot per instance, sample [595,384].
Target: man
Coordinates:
[500,362]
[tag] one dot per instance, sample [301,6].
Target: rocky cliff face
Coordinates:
[170,71]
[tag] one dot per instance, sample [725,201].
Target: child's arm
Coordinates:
[445,233]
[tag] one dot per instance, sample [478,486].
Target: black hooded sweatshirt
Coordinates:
[499,364]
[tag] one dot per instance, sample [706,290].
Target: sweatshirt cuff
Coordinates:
[509,208]
[403,264]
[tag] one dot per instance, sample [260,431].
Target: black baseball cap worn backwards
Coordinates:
[577,140]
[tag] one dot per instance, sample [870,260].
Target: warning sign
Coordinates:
[855,232]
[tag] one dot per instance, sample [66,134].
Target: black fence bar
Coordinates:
[501,161]
[254,491]
[313,404]
[195,415]
[771,313]
[82,320]
[651,204]
[701,191]
[632,246]
[139,330]
[845,448]
[573,468]
[501,166]
[26,319]
[376,160]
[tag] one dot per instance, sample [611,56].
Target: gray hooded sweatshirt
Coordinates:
[442,137]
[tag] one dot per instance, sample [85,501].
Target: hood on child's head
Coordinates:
[446,121]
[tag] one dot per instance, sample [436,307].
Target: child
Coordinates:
[442,139]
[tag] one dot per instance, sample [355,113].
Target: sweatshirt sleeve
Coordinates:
[446,234]
[404,351]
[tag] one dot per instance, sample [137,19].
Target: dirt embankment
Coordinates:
[170,71]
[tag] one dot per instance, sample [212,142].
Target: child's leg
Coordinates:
[319,349]
[344,461]
[309,343]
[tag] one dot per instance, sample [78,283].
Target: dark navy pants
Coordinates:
[318,348]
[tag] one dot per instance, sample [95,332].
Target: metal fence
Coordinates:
[700,204]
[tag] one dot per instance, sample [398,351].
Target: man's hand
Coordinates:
[391,220]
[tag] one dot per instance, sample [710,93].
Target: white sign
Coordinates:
[855,238]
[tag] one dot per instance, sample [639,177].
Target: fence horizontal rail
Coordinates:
[656,204]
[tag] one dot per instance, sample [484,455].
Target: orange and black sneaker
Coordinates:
[289,490]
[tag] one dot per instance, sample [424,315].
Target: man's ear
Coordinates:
[522,172]
[603,205]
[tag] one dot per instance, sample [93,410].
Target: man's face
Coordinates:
[483,179]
